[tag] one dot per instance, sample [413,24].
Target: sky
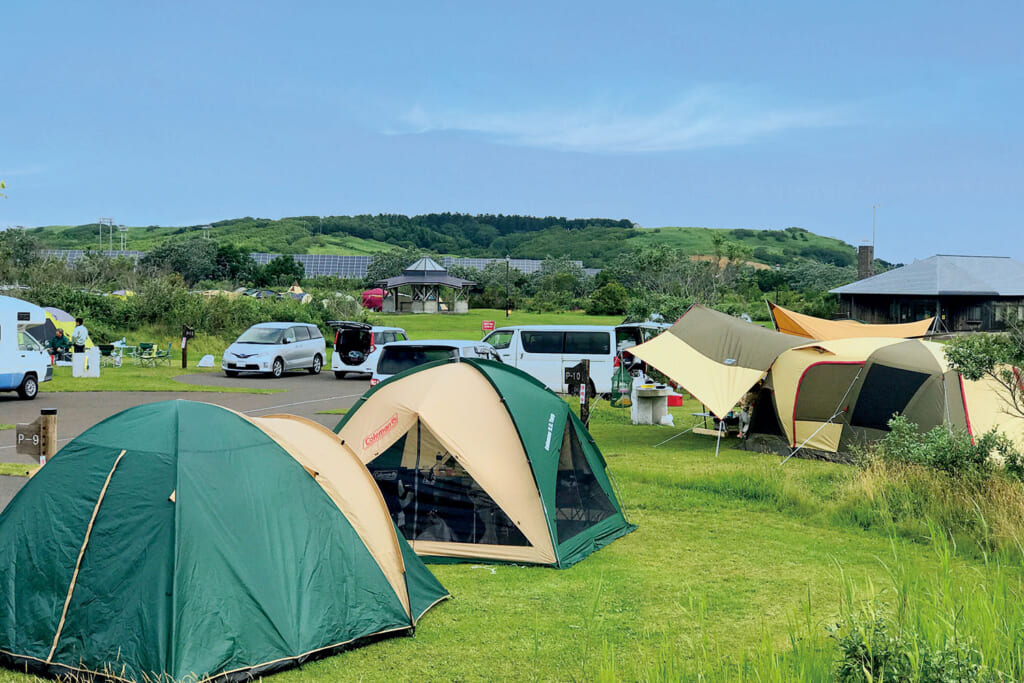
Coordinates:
[823,115]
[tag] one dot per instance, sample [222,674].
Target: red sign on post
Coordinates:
[487,325]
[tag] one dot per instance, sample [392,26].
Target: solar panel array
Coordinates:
[322,264]
[72,255]
[525,265]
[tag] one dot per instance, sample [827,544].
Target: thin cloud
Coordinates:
[705,118]
[25,171]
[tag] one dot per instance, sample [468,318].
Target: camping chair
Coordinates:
[109,356]
[162,356]
[147,355]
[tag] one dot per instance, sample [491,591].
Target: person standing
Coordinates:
[78,336]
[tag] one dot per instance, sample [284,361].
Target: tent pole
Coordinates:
[673,436]
[718,442]
[416,486]
[839,411]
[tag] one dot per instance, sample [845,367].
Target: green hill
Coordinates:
[596,242]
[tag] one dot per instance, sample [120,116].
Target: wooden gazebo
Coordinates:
[425,278]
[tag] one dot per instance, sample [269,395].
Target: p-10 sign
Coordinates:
[487,325]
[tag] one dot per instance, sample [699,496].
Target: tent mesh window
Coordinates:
[823,387]
[886,391]
[580,502]
[431,497]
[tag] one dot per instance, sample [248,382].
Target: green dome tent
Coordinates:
[183,540]
[480,461]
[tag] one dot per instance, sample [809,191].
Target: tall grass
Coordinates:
[939,620]
[983,515]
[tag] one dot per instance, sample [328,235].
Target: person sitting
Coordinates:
[746,408]
[59,345]
[435,529]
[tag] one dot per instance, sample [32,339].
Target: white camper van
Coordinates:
[545,351]
[24,362]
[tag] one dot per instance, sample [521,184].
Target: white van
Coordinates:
[24,363]
[544,351]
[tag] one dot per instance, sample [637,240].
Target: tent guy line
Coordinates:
[299,403]
[247,412]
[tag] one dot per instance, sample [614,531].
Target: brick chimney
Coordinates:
[865,261]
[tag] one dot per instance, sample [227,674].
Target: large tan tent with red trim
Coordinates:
[827,396]
[801,325]
[821,396]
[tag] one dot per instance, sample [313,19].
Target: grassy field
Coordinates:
[15,469]
[737,569]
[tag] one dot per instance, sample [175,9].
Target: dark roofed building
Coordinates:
[965,293]
[425,278]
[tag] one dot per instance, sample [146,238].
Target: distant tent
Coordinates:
[714,356]
[373,299]
[182,540]
[59,315]
[479,461]
[800,325]
[55,318]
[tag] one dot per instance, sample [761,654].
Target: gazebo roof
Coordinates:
[424,265]
[426,271]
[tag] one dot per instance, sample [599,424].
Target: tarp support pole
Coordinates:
[718,442]
[81,554]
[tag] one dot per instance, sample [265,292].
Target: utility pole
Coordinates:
[109,222]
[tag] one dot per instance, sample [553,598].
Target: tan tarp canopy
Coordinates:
[715,356]
[800,325]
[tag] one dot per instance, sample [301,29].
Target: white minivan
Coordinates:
[357,346]
[545,351]
[24,363]
[404,355]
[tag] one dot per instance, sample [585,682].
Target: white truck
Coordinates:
[24,363]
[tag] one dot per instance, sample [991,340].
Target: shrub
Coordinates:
[609,299]
[872,649]
[952,451]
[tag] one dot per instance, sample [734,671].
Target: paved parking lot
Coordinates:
[303,394]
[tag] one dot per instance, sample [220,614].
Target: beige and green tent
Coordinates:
[801,325]
[479,461]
